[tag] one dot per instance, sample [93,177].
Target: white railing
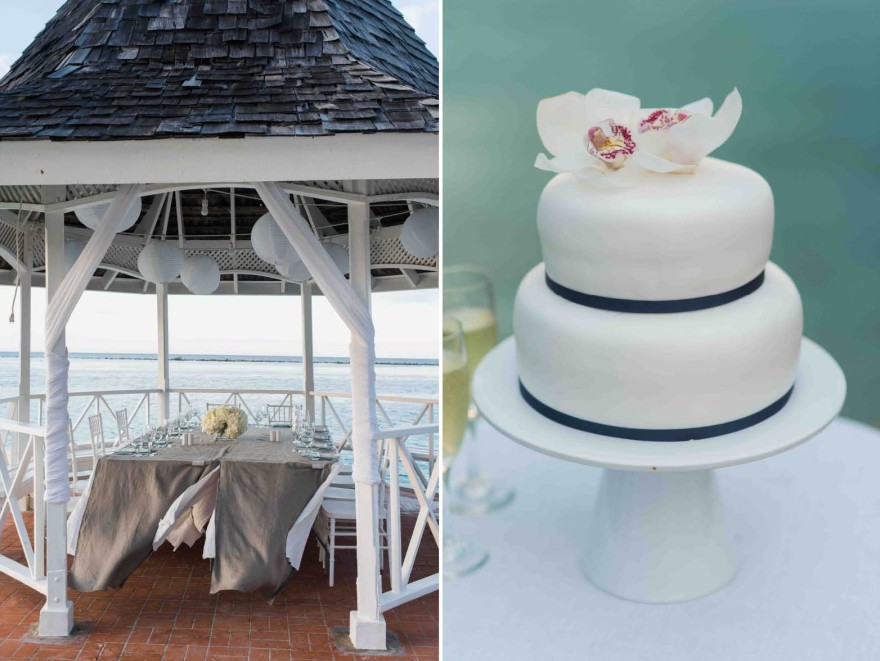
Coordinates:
[415,469]
[333,410]
[20,477]
[401,562]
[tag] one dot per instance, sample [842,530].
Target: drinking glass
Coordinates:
[460,556]
[468,297]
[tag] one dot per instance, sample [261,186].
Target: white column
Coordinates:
[162,331]
[367,622]
[56,617]
[308,356]
[24,339]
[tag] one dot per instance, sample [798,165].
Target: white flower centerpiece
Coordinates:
[227,421]
[606,136]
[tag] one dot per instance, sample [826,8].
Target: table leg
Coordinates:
[658,536]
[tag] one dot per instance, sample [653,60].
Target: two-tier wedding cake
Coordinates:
[656,314]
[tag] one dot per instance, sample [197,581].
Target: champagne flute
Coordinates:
[460,556]
[468,297]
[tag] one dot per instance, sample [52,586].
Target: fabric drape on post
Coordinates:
[353,312]
[58,314]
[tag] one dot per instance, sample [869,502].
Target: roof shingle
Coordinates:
[126,69]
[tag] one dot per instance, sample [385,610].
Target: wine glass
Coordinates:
[460,556]
[468,297]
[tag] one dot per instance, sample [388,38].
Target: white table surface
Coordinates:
[805,526]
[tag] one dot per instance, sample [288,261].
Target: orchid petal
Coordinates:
[701,107]
[655,163]
[599,105]
[698,136]
[561,122]
[571,161]
[689,141]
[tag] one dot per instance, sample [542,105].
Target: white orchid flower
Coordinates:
[608,133]
[689,134]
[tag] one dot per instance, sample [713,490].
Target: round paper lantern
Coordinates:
[420,234]
[293,270]
[72,250]
[339,255]
[160,262]
[200,274]
[91,216]
[269,242]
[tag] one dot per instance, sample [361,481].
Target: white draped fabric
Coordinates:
[74,521]
[57,315]
[198,492]
[353,312]
[299,533]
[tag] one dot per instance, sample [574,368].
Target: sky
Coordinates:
[407,322]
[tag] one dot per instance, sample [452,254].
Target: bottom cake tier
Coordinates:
[672,371]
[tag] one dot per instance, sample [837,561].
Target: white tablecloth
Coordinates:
[805,525]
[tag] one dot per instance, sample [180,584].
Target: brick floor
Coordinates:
[165,611]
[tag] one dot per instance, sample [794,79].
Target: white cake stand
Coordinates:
[657,532]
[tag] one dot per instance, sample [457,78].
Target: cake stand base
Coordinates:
[658,537]
[657,532]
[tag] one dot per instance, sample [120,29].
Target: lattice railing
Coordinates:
[401,560]
[19,477]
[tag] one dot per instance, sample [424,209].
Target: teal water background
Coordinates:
[808,73]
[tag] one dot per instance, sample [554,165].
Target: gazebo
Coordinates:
[207,115]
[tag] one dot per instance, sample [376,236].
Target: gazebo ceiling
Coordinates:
[224,232]
[134,69]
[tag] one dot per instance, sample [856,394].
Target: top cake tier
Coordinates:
[671,237]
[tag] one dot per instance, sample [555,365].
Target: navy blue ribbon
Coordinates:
[691,434]
[630,305]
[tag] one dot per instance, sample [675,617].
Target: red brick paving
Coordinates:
[165,611]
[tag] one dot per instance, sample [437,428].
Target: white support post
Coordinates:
[367,624]
[56,616]
[308,357]
[24,340]
[162,331]
[351,302]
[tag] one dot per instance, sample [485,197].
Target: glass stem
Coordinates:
[448,538]
[473,469]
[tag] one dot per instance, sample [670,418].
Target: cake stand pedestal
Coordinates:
[657,531]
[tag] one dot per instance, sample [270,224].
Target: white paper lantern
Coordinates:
[92,216]
[339,255]
[200,274]
[269,242]
[160,262]
[293,270]
[420,234]
[72,250]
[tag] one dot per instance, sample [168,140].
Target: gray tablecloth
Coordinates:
[129,495]
[262,489]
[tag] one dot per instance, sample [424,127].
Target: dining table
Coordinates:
[262,489]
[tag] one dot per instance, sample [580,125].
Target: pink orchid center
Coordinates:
[610,142]
[662,119]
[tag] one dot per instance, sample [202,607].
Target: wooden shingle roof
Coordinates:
[131,69]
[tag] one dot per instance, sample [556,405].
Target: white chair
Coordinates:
[122,427]
[337,520]
[96,430]
[96,440]
[280,414]
[78,479]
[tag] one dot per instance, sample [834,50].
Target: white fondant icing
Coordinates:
[659,371]
[662,237]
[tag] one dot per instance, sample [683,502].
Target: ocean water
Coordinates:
[89,372]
